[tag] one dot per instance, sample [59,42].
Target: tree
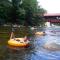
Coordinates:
[4,8]
[9,10]
[33,12]
[25,12]
[14,13]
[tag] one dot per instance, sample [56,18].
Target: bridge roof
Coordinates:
[52,14]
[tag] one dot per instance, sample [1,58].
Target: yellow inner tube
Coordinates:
[18,42]
[39,33]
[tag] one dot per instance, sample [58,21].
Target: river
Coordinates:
[36,51]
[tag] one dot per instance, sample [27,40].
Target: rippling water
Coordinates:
[36,51]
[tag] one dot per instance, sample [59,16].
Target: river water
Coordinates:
[36,51]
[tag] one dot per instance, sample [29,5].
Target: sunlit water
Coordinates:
[36,51]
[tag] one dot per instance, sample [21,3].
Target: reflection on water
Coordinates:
[36,51]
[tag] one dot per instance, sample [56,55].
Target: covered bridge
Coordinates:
[52,17]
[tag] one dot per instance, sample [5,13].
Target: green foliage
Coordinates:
[3,9]
[24,12]
[33,13]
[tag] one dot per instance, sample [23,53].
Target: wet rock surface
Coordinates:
[52,46]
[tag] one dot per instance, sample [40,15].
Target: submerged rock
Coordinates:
[52,46]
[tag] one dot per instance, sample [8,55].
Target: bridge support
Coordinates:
[47,24]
